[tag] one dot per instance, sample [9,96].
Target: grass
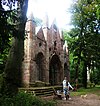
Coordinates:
[82,91]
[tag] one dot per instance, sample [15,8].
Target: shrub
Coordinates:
[1,81]
[24,99]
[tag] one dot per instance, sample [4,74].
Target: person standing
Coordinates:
[66,86]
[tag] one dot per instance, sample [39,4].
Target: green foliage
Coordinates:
[12,24]
[24,99]
[5,38]
[84,43]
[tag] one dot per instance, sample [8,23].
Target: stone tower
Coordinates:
[66,61]
[44,54]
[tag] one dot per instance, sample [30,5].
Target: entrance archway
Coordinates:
[40,61]
[55,70]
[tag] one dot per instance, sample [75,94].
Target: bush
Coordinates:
[91,84]
[79,85]
[1,81]
[24,99]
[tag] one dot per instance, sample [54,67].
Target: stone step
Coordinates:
[41,91]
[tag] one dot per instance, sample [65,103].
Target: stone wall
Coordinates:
[43,55]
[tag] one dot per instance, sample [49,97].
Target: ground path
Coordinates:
[89,100]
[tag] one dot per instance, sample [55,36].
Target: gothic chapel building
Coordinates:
[45,54]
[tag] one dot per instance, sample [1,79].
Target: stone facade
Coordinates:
[45,54]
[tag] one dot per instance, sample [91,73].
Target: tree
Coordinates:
[14,62]
[86,32]
[5,36]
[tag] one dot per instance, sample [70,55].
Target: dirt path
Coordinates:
[89,100]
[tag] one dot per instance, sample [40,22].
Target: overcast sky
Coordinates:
[54,8]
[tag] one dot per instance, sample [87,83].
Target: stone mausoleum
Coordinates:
[45,54]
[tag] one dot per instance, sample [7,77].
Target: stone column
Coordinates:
[28,51]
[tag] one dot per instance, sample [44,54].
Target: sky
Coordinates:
[56,9]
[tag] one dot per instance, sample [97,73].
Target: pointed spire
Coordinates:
[30,24]
[45,21]
[61,34]
[54,25]
[31,17]
[65,47]
[54,22]
[66,43]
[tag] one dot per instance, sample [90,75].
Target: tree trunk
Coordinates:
[13,66]
[14,63]
[85,75]
[77,69]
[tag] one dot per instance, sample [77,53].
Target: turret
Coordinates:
[66,61]
[45,21]
[28,50]
[65,48]
[61,34]
[45,26]
[30,25]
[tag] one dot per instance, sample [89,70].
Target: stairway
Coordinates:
[41,91]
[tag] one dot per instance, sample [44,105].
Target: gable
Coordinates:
[40,34]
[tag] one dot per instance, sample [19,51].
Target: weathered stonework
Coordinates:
[45,54]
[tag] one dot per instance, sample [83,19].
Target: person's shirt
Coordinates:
[65,83]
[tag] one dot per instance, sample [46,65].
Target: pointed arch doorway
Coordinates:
[40,61]
[55,70]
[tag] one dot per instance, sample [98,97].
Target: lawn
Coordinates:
[82,91]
